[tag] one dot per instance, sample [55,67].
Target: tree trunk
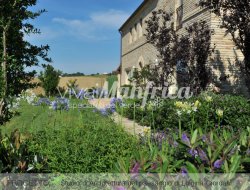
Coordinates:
[4,64]
[4,74]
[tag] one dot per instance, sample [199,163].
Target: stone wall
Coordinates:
[136,50]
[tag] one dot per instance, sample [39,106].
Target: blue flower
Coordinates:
[218,163]
[193,152]
[202,155]
[175,145]
[185,139]
[43,101]
[60,104]
[54,105]
[103,111]
[116,101]
[184,171]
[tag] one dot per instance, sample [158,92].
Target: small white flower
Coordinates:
[208,98]
[195,109]
[179,113]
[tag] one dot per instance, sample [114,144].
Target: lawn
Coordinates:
[71,141]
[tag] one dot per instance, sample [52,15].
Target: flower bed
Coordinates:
[206,134]
[206,111]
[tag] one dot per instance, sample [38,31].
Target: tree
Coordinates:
[50,79]
[198,42]
[161,35]
[15,52]
[186,55]
[235,17]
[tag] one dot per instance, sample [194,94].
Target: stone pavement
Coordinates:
[128,125]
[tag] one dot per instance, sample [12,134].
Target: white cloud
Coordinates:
[97,27]
[111,18]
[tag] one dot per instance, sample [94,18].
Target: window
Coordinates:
[135,33]
[140,65]
[140,28]
[179,17]
[130,36]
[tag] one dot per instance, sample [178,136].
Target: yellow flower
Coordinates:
[197,104]
[146,130]
[208,98]
[184,106]
[150,106]
[178,104]
[219,112]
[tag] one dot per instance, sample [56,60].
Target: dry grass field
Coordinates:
[83,82]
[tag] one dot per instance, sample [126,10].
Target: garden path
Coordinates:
[128,125]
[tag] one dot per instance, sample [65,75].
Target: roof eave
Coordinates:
[134,13]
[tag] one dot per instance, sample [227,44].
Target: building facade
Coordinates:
[136,52]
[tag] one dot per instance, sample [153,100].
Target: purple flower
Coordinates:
[115,101]
[60,104]
[175,144]
[218,163]
[204,138]
[54,105]
[184,171]
[43,101]
[202,155]
[103,111]
[135,170]
[185,139]
[193,152]
[120,188]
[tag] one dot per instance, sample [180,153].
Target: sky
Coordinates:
[82,34]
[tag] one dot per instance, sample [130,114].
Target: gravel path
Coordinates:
[128,125]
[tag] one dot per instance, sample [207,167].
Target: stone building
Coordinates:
[136,52]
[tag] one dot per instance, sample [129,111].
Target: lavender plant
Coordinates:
[60,104]
[43,102]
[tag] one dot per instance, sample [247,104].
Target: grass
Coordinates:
[74,141]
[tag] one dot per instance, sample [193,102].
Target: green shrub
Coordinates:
[75,141]
[111,80]
[88,148]
[16,156]
[49,80]
[167,114]
[197,152]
